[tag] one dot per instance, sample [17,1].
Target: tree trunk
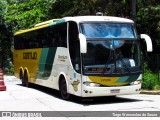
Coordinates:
[133,9]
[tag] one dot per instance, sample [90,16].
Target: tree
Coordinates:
[148,16]
[5,44]
[3,5]
[26,13]
[61,8]
[5,35]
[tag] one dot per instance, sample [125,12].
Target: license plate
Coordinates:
[115,91]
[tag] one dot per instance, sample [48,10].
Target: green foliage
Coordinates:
[5,34]
[148,17]
[150,79]
[27,13]
[24,14]
[5,44]
[3,5]
[62,8]
[9,71]
[148,21]
[157,87]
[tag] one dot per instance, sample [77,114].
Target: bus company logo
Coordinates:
[30,55]
[62,58]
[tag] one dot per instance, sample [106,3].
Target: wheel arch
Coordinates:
[61,76]
[27,71]
[64,87]
[21,71]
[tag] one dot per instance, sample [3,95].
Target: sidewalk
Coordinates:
[150,92]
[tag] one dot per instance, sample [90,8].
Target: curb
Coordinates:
[150,92]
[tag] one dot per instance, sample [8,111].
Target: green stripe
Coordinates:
[128,79]
[123,79]
[57,22]
[46,62]
[132,78]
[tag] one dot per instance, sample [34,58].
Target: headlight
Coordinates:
[136,82]
[91,84]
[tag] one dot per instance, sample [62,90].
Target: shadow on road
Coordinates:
[85,101]
[105,100]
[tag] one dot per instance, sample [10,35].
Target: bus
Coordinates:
[85,56]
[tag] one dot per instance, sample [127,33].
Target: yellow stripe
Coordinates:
[108,81]
[32,29]
[37,26]
[46,22]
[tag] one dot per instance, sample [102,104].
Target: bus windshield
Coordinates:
[108,30]
[112,49]
[105,57]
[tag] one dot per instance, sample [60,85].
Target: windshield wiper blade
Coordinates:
[124,64]
[106,64]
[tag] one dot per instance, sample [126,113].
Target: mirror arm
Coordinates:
[148,42]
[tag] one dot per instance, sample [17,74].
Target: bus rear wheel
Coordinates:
[25,79]
[21,77]
[63,89]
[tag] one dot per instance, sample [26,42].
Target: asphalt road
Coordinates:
[38,98]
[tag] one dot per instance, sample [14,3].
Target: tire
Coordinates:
[21,77]
[25,79]
[63,89]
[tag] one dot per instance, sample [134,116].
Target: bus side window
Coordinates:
[17,42]
[53,37]
[59,35]
[62,31]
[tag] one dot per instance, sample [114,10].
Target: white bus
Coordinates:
[86,56]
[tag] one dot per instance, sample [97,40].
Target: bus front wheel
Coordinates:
[63,89]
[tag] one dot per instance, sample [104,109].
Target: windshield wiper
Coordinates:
[106,64]
[113,66]
[123,63]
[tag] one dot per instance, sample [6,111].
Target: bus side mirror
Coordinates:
[148,42]
[83,43]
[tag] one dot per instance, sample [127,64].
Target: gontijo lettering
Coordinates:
[30,55]
[62,58]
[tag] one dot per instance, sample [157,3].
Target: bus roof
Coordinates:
[97,18]
[77,19]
